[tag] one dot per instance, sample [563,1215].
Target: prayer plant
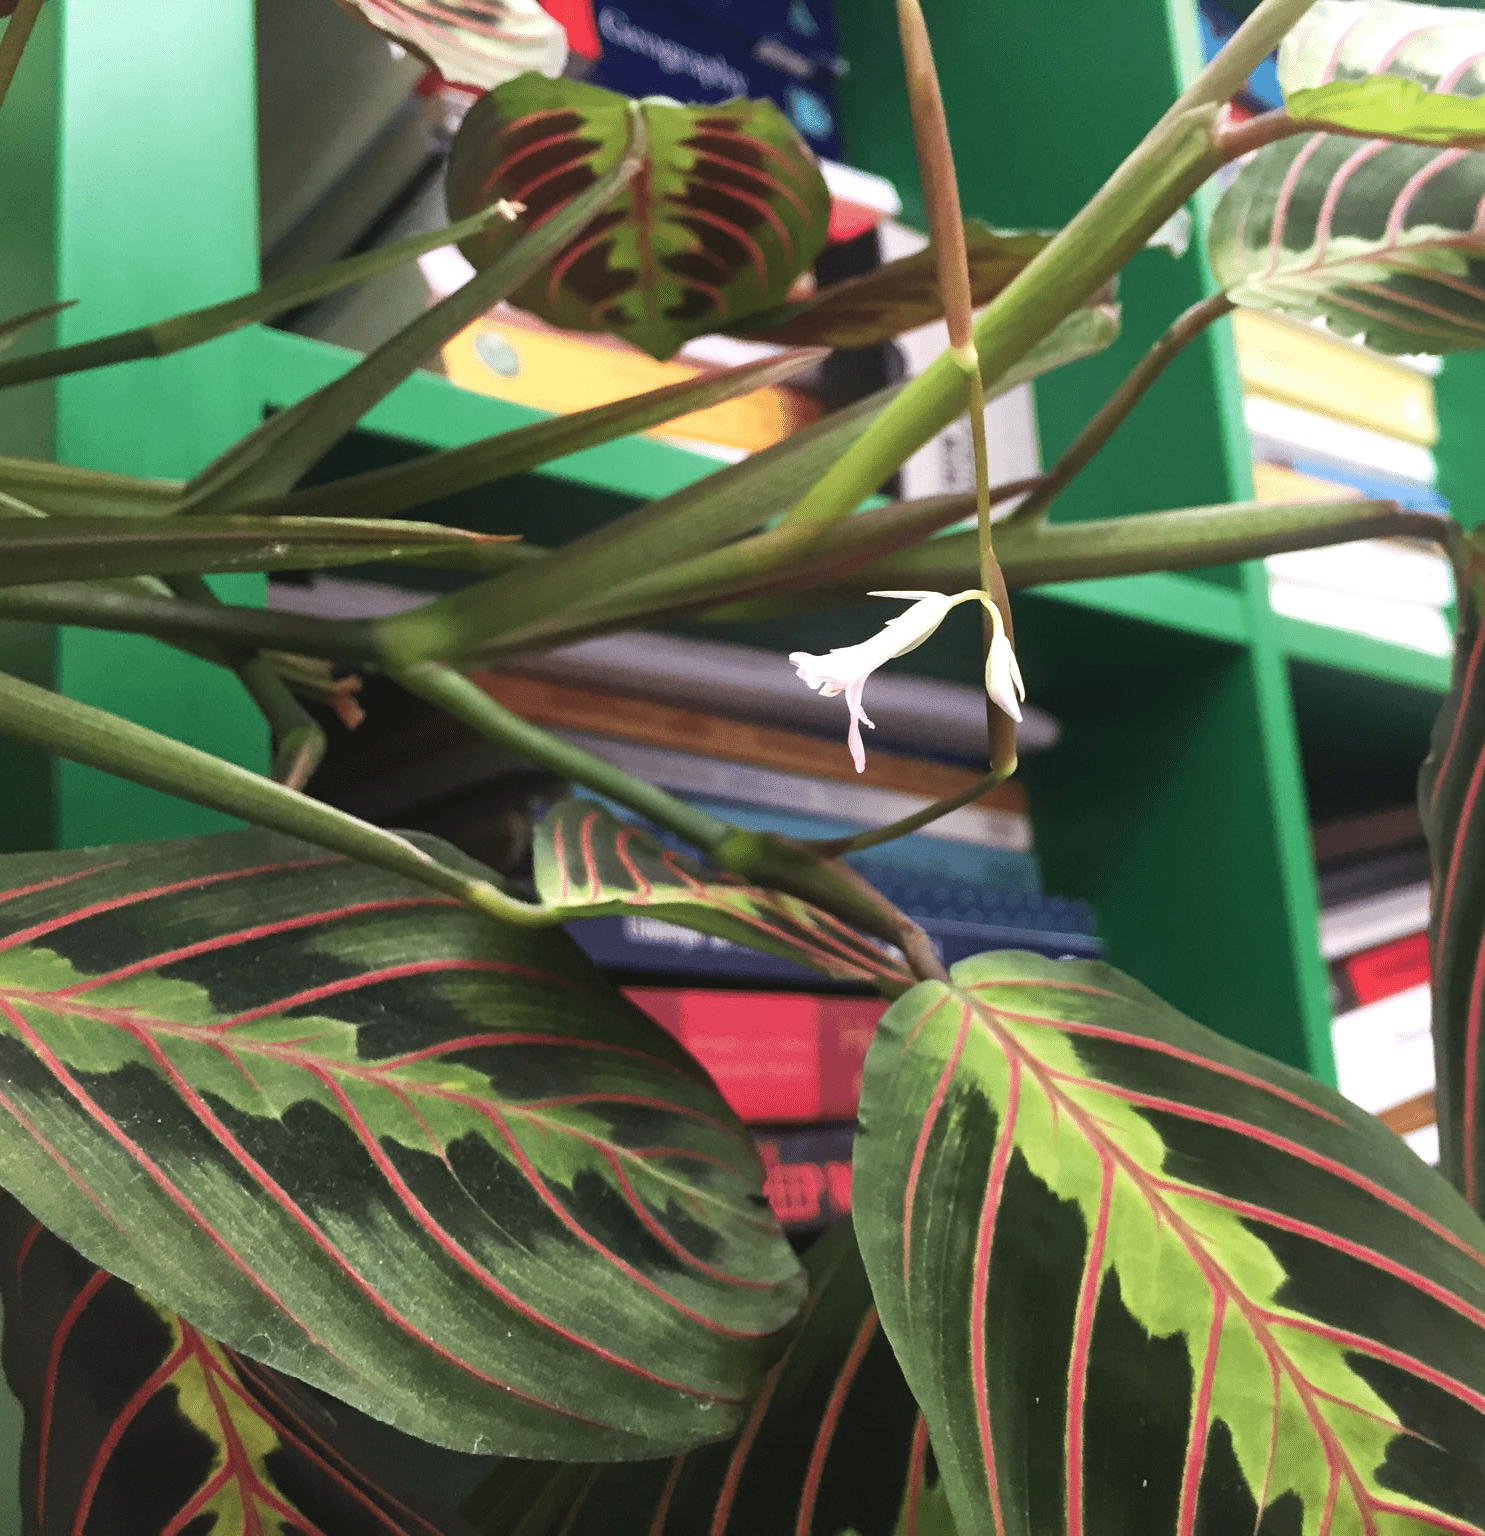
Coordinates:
[315,1111]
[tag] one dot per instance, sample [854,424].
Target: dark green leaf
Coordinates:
[67,492]
[1454,818]
[1379,239]
[1144,1280]
[135,1421]
[728,210]
[896,297]
[431,1163]
[471,42]
[401,487]
[82,549]
[834,1446]
[588,863]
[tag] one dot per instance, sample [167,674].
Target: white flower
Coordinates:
[846,669]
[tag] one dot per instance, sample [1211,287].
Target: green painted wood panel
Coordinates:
[130,162]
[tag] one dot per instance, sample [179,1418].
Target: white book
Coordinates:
[1354,925]
[1418,626]
[1391,568]
[1279,430]
[1384,1051]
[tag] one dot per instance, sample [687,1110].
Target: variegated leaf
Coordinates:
[435,1165]
[588,863]
[899,296]
[1381,239]
[482,43]
[1453,808]
[1143,1279]
[135,1421]
[728,209]
[834,1446]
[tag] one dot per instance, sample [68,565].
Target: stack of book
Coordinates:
[1374,891]
[1330,421]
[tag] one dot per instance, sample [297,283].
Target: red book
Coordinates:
[1382,971]
[775,1056]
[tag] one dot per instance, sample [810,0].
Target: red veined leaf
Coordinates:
[135,1421]
[588,863]
[432,1164]
[896,297]
[1379,239]
[1143,1279]
[1452,804]
[471,42]
[728,209]
[834,1446]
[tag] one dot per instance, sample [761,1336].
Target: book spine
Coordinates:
[774,1056]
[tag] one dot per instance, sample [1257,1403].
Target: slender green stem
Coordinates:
[876,836]
[1171,163]
[456,695]
[83,734]
[13,41]
[1043,554]
[94,605]
[1116,410]
[298,742]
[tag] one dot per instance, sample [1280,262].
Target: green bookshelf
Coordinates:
[1199,728]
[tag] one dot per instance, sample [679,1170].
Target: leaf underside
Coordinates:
[834,1446]
[726,211]
[1142,1279]
[137,1422]
[589,863]
[435,1165]
[899,295]
[1379,239]
[471,42]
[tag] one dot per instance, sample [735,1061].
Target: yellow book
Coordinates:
[1279,483]
[556,371]
[1299,365]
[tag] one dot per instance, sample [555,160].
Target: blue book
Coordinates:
[639,944]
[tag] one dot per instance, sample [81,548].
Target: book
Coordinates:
[774,1056]
[807,1173]
[1369,975]
[1398,570]
[1300,365]
[549,701]
[1384,1063]
[848,806]
[513,356]
[1358,924]
[1280,431]
[1369,832]
[1280,483]
[1417,626]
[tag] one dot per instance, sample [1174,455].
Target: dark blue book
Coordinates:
[638,944]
